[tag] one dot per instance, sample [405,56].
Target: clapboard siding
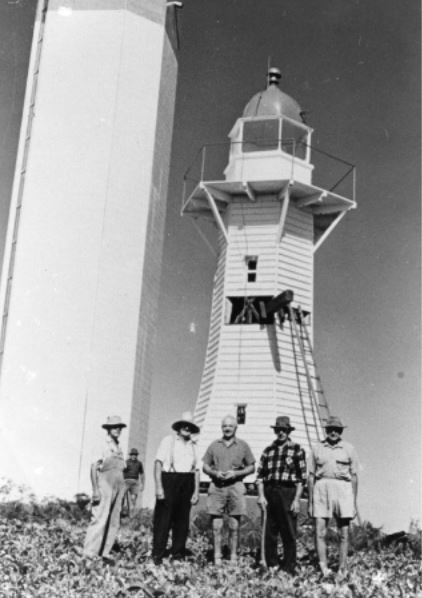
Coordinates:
[252,364]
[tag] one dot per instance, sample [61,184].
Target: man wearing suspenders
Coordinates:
[176,476]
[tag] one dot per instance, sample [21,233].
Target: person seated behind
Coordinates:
[134,479]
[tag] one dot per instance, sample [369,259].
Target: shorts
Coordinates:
[333,498]
[228,499]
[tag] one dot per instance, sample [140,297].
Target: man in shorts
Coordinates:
[227,461]
[333,486]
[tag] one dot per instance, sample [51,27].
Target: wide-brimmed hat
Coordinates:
[334,422]
[134,451]
[114,421]
[283,422]
[186,420]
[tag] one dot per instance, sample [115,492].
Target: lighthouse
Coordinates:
[272,216]
[82,262]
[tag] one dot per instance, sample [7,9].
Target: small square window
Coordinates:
[252,267]
[241,414]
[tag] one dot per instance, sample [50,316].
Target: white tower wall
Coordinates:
[81,271]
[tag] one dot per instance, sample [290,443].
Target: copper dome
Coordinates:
[273,102]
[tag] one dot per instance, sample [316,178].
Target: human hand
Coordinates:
[262,501]
[96,498]
[159,494]
[295,506]
[220,475]
[194,499]
[229,475]
[310,509]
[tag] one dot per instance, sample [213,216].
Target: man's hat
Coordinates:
[283,422]
[114,421]
[134,451]
[186,420]
[334,422]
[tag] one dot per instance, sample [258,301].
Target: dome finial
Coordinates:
[273,76]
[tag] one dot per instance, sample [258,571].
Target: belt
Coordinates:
[279,484]
[224,483]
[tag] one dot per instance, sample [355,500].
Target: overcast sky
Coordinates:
[355,67]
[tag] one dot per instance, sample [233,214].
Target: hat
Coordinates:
[114,421]
[134,451]
[186,420]
[282,421]
[334,422]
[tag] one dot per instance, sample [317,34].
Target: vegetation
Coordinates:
[40,555]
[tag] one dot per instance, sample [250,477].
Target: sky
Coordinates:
[354,66]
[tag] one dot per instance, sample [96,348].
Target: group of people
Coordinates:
[331,475]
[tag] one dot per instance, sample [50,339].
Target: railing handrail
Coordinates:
[202,154]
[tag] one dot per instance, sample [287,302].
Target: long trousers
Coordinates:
[172,513]
[105,523]
[280,520]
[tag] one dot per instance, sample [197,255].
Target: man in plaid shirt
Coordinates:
[280,479]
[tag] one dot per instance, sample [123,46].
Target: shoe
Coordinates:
[326,572]
[217,561]
[107,560]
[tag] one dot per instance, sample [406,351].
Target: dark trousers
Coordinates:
[280,520]
[172,513]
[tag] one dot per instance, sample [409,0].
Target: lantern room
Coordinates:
[270,140]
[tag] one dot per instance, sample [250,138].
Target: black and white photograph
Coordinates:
[210,296]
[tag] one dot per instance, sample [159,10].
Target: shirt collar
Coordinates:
[288,443]
[338,444]
[232,441]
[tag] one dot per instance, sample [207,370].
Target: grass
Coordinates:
[40,555]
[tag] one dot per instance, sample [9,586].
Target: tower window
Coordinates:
[261,135]
[241,414]
[248,310]
[294,139]
[252,266]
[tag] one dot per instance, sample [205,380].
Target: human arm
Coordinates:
[195,495]
[233,474]
[215,474]
[354,480]
[311,482]
[300,465]
[210,467]
[96,495]
[159,491]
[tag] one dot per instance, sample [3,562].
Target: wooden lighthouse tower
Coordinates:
[271,218]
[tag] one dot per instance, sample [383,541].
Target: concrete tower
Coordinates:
[271,218]
[82,263]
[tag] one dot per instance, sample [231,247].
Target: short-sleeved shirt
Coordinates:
[336,461]
[133,469]
[176,455]
[282,462]
[236,455]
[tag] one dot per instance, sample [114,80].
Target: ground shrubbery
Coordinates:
[40,555]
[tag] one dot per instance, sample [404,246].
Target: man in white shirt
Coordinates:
[176,475]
